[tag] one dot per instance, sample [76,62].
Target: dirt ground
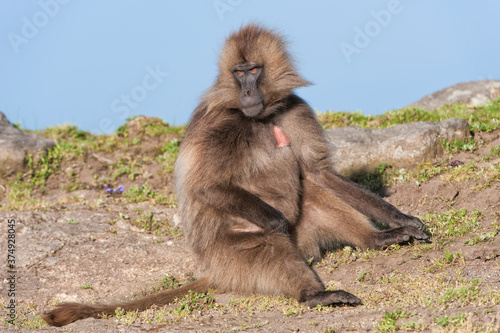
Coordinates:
[83,246]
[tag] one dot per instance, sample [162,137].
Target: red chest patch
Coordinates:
[281,139]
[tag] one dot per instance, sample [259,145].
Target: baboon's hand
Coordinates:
[417,234]
[415,222]
[405,220]
[399,235]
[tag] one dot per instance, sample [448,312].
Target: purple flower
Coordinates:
[121,189]
[108,190]
[114,191]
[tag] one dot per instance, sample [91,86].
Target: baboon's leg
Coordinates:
[327,221]
[268,263]
[365,202]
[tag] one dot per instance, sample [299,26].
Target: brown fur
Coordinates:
[255,205]
[257,196]
[66,313]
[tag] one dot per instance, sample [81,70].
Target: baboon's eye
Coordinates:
[253,71]
[240,73]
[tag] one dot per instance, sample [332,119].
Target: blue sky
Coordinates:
[93,64]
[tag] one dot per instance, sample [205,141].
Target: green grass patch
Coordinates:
[168,282]
[193,302]
[47,164]
[455,321]
[389,323]
[168,155]
[139,193]
[147,126]
[452,224]
[458,145]
[430,290]
[480,118]
[481,238]
[445,261]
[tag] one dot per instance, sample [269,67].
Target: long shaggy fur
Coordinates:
[247,45]
[66,313]
[235,175]
[257,194]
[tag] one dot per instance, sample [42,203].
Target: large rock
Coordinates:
[16,144]
[471,93]
[357,150]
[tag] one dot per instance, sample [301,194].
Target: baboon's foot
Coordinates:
[400,235]
[336,297]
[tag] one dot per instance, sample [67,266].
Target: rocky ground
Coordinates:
[77,242]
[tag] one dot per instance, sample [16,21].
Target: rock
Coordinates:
[471,93]
[357,150]
[16,144]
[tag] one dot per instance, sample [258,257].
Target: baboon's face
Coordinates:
[251,97]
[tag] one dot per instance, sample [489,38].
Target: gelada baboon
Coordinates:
[256,190]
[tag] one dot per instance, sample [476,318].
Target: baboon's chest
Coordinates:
[272,172]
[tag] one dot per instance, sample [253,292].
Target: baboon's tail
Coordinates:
[66,313]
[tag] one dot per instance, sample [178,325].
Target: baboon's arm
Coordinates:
[362,200]
[309,143]
[236,201]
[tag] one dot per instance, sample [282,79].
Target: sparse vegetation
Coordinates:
[457,146]
[445,285]
[481,118]
[193,302]
[389,323]
[452,224]
[168,282]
